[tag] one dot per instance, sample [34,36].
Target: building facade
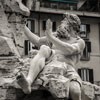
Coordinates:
[89,66]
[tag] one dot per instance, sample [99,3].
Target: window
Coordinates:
[84,33]
[27,46]
[87,50]
[84,30]
[86,74]
[53,26]
[31,25]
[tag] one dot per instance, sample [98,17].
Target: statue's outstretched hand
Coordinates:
[48,24]
[48,27]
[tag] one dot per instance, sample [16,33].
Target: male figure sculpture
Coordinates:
[56,62]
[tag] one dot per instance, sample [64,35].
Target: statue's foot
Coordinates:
[23,83]
[24,9]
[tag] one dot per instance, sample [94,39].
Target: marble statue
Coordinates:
[54,63]
[52,66]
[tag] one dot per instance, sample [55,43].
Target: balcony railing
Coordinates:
[69,6]
[58,5]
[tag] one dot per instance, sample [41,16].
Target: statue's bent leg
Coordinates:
[36,65]
[23,83]
[75,90]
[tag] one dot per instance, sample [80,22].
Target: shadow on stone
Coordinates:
[17,94]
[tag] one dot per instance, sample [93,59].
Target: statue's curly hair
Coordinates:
[73,20]
[70,20]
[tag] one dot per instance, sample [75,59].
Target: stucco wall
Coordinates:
[94,62]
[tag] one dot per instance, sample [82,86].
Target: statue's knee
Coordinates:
[45,51]
[44,48]
[75,88]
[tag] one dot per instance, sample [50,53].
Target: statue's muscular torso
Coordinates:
[68,59]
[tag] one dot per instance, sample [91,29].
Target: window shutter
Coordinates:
[29,46]
[44,25]
[91,79]
[26,47]
[79,72]
[88,46]
[54,26]
[88,28]
[33,26]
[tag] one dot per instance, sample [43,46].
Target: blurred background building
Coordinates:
[88,11]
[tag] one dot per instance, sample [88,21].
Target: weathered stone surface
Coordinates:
[7,47]
[12,20]
[88,91]
[11,90]
[16,6]
[4,30]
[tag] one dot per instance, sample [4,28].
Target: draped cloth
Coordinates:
[56,77]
